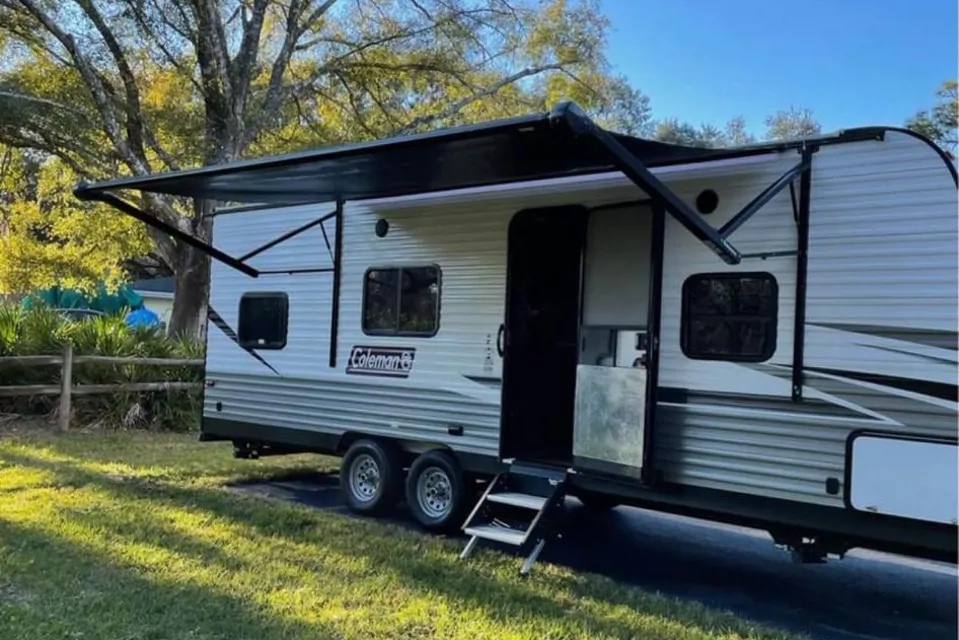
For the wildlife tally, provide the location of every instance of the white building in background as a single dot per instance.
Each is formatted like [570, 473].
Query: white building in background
[157, 294]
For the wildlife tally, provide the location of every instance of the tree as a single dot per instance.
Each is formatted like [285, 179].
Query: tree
[132, 87]
[674, 131]
[48, 237]
[792, 123]
[736, 133]
[941, 123]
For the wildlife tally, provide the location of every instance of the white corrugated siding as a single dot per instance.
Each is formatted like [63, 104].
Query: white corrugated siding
[882, 251]
[466, 239]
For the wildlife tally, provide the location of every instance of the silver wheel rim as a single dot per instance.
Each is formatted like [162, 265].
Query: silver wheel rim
[364, 477]
[434, 492]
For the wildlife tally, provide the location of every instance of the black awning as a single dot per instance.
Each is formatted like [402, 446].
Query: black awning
[513, 150]
[562, 143]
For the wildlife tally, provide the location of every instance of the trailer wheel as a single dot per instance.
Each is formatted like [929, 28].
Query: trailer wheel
[436, 492]
[370, 477]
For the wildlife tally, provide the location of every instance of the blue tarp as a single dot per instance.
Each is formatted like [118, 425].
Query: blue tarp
[142, 317]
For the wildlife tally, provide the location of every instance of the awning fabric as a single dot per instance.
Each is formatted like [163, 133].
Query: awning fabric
[503, 151]
[561, 143]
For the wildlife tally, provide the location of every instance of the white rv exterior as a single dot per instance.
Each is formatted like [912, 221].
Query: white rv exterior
[880, 352]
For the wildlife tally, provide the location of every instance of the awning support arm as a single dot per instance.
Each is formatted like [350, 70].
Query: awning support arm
[759, 201]
[802, 270]
[572, 118]
[286, 236]
[156, 223]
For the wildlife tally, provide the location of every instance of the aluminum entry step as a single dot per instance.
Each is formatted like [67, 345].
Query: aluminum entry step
[523, 500]
[499, 534]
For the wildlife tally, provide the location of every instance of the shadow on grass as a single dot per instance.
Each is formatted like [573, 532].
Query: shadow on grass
[501, 599]
[69, 591]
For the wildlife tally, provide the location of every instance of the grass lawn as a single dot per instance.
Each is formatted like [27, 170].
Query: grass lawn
[131, 536]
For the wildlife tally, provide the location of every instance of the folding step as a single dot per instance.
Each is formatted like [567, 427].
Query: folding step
[524, 500]
[518, 508]
[498, 534]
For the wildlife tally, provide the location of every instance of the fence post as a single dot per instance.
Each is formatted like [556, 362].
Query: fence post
[66, 385]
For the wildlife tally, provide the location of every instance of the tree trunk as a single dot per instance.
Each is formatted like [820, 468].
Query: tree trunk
[192, 276]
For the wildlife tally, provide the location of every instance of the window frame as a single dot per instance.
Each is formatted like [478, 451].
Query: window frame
[685, 317]
[270, 346]
[399, 268]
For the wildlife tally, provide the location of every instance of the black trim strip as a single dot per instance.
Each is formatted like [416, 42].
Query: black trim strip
[946, 159]
[769, 254]
[291, 272]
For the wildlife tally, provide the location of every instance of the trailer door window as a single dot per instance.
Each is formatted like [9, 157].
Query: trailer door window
[402, 301]
[263, 321]
[729, 316]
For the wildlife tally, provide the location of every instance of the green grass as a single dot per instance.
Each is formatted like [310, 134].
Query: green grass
[132, 536]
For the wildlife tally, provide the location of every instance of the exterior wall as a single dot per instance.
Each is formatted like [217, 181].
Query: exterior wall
[720, 425]
[454, 380]
[882, 294]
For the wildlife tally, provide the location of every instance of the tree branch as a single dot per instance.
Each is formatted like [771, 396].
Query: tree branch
[98, 91]
[136, 7]
[241, 69]
[134, 113]
[459, 105]
[45, 102]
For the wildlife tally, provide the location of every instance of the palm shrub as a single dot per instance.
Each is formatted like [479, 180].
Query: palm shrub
[40, 331]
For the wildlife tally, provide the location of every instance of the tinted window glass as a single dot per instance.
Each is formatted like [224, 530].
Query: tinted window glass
[730, 317]
[263, 320]
[402, 301]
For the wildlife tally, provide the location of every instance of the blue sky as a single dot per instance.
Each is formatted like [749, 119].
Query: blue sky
[853, 62]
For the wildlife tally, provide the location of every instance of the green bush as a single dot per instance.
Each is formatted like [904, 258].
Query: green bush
[41, 331]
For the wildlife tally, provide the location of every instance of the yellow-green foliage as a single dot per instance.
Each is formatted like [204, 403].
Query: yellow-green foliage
[49, 237]
[41, 331]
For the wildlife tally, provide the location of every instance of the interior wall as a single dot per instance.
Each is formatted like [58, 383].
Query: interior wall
[617, 267]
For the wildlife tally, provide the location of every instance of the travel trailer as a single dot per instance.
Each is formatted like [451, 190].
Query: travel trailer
[484, 320]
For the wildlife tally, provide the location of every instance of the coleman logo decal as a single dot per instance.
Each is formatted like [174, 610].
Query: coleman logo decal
[393, 362]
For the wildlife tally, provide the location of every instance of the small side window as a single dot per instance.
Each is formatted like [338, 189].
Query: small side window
[264, 318]
[402, 301]
[730, 316]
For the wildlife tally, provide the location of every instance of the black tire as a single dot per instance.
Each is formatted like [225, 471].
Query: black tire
[381, 459]
[598, 501]
[438, 466]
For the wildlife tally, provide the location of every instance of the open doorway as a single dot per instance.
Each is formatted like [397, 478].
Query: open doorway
[544, 283]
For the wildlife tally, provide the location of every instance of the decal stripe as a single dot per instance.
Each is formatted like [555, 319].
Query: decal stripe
[228, 331]
[942, 339]
[912, 353]
[923, 387]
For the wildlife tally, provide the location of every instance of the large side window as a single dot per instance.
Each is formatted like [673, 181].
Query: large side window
[402, 301]
[729, 316]
[263, 322]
